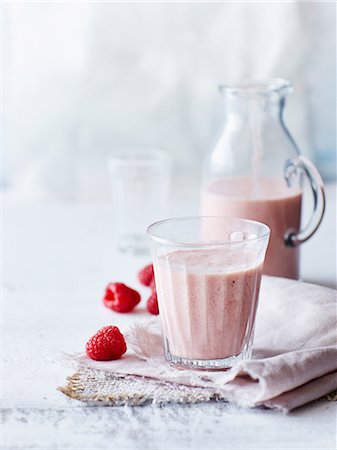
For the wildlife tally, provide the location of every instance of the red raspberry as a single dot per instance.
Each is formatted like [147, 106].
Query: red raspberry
[146, 275]
[120, 297]
[152, 304]
[107, 344]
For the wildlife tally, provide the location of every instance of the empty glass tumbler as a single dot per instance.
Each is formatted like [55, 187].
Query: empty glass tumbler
[140, 180]
[208, 272]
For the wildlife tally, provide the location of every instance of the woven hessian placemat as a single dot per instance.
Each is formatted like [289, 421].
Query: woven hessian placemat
[97, 387]
[103, 388]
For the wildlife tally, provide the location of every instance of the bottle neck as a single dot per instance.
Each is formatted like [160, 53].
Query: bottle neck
[254, 108]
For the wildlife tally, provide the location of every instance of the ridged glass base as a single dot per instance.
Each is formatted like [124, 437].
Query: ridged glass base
[208, 364]
[133, 244]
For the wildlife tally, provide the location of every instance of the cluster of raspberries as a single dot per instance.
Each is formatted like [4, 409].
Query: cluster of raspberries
[109, 343]
[123, 299]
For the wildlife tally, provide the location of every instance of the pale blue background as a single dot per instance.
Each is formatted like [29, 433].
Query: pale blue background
[80, 79]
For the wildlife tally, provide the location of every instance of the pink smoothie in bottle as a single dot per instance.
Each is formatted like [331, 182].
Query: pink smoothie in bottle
[207, 301]
[269, 201]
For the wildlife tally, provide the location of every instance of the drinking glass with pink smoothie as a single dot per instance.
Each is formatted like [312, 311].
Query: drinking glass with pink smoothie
[255, 171]
[208, 272]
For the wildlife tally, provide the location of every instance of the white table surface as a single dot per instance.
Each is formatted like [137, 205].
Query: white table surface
[57, 260]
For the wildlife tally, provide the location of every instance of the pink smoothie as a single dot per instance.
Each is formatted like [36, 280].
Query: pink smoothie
[207, 302]
[270, 202]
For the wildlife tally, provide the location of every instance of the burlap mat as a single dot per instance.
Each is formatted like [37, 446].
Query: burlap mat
[103, 388]
[97, 387]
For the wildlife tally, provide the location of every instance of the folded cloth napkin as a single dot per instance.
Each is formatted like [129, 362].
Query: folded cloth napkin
[294, 358]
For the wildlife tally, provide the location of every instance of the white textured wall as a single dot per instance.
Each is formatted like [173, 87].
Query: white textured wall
[82, 79]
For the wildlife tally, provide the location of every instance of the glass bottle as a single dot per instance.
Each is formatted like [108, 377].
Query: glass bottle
[256, 171]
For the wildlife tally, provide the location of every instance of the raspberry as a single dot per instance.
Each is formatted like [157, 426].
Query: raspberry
[107, 344]
[120, 297]
[146, 276]
[152, 304]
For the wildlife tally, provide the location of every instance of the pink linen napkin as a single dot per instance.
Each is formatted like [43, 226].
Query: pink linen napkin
[294, 357]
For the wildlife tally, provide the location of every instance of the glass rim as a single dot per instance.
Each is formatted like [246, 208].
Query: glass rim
[220, 243]
[138, 155]
[264, 87]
